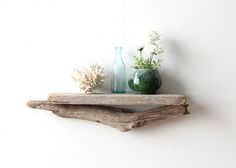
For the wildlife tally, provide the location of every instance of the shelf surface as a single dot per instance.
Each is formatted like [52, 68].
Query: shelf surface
[116, 99]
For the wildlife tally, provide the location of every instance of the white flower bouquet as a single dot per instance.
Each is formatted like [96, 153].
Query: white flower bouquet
[154, 49]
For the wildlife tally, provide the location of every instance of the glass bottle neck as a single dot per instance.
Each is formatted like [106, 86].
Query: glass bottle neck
[118, 54]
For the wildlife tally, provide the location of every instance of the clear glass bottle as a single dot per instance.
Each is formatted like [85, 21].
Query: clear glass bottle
[118, 82]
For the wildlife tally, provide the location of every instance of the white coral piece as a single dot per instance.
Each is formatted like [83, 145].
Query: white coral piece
[89, 78]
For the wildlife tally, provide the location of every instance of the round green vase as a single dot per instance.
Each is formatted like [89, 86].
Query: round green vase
[145, 81]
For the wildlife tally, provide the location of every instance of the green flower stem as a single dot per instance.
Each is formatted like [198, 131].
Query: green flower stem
[151, 57]
[141, 54]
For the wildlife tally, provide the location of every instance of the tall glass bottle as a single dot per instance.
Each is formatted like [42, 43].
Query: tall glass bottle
[118, 83]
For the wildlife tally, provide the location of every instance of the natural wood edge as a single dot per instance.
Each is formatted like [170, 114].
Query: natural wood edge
[111, 116]
[116, 99]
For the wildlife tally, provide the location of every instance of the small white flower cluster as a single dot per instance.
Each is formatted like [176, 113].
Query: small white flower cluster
[154, 43]
[154, 49]
[89, 78]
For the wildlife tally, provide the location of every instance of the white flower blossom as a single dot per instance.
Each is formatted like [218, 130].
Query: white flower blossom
[154, 36]
[154, 43]
[155, 49]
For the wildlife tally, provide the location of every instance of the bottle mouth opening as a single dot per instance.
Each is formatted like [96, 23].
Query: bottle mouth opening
[145, 68]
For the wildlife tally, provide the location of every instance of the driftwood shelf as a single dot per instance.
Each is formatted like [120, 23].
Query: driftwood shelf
[111, 109]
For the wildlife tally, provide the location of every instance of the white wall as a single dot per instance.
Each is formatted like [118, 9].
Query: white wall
[42, 40]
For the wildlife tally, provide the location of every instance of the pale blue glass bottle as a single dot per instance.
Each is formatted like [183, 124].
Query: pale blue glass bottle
[118, 81]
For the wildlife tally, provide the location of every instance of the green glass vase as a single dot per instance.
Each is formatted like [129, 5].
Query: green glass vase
[145, 81]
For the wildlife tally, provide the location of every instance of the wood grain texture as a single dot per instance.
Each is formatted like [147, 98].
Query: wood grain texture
[116, 99]
[114, 117]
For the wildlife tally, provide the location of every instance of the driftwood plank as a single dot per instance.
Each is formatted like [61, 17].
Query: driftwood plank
[116, 99]
[114, 117]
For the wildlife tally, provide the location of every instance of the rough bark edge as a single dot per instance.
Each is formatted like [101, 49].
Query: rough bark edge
[114, 117]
